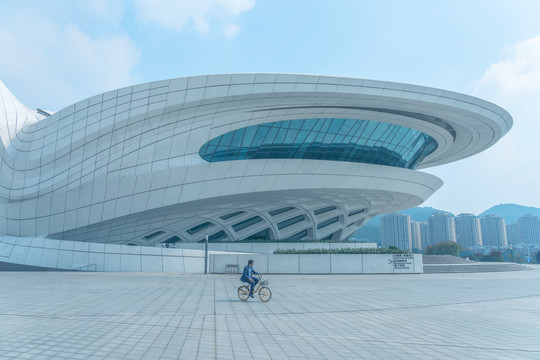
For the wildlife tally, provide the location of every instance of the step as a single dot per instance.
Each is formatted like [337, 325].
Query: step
[473, 268]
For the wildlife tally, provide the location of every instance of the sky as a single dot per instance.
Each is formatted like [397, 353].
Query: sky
[56, 52]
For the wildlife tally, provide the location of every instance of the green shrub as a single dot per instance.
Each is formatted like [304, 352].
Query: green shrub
[340, 251]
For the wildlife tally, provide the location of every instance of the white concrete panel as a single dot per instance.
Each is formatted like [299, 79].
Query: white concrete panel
[130, 263]
[96, 261]
[219, 262]
[24, 241]
[133, 250]
[67, 245]
[175, 264]
[33, 257]
[81, 246]
[184, 252]
[112, 249]
[283, 264]
[346, 263]
[151, 263]
[37, 242]
[315, 246]
[49, 258]
[264, 248]
[65, 259]
[239, 247]
[285, 246]
[378, 264]
[214, 247]
[145, 250]
[260, 262]
[5, 249]
[112, 262]
[196, 246]
[418, 264]
[314, 264]
[52, 244]
[98, 248]
[18, 254]
[80, 260]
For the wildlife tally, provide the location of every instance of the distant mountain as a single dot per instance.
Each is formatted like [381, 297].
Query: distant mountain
[416, 214]
[511, 212]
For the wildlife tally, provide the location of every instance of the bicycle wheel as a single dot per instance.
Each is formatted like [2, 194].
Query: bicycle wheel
[265, 294]
[243, 293]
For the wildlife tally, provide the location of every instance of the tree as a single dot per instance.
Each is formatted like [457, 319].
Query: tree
[538, 257]
[494, 256]
[443, 248]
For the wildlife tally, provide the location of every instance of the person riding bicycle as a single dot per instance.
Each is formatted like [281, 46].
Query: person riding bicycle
[247, 276]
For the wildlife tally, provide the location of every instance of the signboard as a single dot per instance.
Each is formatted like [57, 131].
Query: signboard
[403, 263]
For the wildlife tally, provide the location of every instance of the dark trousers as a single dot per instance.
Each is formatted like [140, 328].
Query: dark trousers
[253, 284]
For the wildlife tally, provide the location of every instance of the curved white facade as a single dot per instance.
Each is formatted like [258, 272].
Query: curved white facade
[124, 167]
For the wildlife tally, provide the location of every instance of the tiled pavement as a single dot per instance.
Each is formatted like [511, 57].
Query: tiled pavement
[165, 316]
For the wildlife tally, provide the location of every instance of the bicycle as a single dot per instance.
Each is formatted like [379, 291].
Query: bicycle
[264, 292]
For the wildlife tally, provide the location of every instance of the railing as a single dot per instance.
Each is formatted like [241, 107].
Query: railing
[91, 267]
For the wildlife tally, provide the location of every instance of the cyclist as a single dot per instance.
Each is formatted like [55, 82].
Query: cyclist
[247, 276]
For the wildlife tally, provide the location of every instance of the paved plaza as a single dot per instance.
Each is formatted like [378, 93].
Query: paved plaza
[63, 315]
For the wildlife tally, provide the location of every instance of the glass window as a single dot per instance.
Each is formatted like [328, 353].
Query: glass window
[299, 235]
[356, 212]
[231, 215]
[246, 223]
[199, 227]
[324, 209]
[323, 139]
[325, 223]
[289, 222]
[280, 211]
[259, 136]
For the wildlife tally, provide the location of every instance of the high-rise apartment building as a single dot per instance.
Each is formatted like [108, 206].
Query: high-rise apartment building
[512, 234]
[468, 230]
[529, 229]
[493, 231]
[442, 228]
[416, 236]
[396, 231]
[425, 235]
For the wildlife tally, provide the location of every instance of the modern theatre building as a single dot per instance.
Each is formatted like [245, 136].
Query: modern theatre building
[236, 156]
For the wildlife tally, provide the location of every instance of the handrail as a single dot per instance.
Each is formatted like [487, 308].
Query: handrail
[81, 268]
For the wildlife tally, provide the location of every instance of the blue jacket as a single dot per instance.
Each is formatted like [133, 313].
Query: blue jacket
[248, 273]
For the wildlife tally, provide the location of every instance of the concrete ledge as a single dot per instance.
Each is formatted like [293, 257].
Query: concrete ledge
[323, 263]
[39, 254]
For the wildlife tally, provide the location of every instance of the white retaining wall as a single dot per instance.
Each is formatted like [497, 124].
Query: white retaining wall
[322, 263]
[86, 256]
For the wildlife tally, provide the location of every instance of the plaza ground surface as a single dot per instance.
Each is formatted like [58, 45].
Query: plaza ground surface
[59, 315]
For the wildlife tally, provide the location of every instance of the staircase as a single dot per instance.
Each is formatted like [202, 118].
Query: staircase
[452, 264]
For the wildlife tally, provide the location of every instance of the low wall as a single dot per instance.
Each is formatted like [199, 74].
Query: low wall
[49, 254]
[270, 247]
[322, 263]
[25, 253]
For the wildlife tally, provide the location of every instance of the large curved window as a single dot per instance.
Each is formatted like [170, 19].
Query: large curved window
[351, 140]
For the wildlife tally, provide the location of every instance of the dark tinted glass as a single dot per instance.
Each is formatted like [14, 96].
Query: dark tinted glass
[323, 139]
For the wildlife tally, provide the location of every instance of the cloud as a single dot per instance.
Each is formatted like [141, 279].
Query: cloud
[509, 171]
[177, 14]
[57, 64]
[231, 30]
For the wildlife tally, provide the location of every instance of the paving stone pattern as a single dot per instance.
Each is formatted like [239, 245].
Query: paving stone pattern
[61, 315]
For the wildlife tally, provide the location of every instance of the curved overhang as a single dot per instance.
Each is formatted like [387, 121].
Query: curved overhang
[130, 153]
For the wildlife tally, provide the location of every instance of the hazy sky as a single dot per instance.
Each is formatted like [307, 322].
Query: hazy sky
[54, 53]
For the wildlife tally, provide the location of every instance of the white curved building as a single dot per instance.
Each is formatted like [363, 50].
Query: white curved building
[272, 156]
